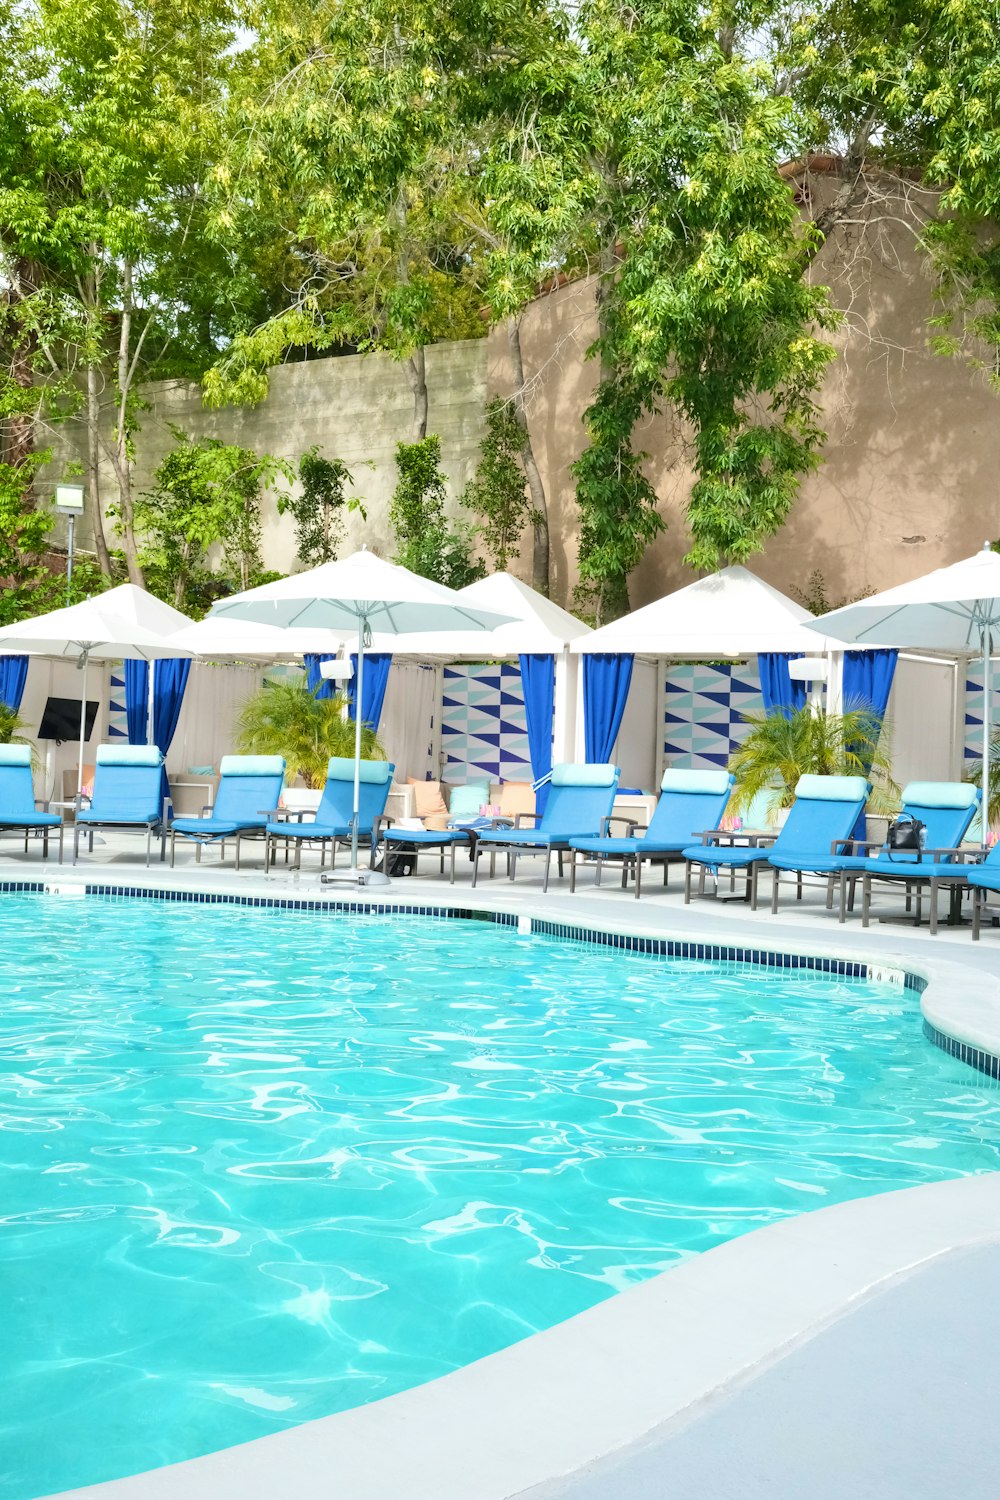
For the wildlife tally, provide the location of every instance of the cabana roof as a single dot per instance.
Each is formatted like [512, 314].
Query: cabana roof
[538, 627]
[731, 613]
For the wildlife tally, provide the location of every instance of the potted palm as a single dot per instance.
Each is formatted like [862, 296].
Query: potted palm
[288, 719]
[975, 775]
[778, 750]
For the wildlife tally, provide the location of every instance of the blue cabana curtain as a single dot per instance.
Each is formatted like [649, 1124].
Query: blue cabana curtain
[169, 681]
[538, 682]
[13, 676]
[867, 683]
[323, 687]
[606, 679]
[780, 693]
[373, 688]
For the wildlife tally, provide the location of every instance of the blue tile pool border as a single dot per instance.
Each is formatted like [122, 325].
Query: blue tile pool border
[680, 948]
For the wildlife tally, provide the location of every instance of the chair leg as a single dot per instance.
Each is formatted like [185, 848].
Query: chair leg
[842, 897]
[237, 851]
[545, 877]
[754, 868]
[61, 832]
[475, 863]
[149, 843]
[76, 842]
[978, 895]
[934, 907]
[637, 872]
[574, 854]
[775, 885]
[866, 899]
[600, 870]
[173, 847]
[452, 849]
[511, 865]
[687, 882]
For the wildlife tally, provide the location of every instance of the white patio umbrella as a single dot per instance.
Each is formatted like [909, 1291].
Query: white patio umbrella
[227, 639]
[125, 621]
[365, 594]
[954, 610]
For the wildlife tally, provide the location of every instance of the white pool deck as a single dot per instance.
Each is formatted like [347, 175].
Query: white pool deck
[846, 1353]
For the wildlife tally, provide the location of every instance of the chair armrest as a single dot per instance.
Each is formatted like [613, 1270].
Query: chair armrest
[621, 818]
[207, 810]
[534, 817]
[42, 804]
[280, 814]
[81, 798]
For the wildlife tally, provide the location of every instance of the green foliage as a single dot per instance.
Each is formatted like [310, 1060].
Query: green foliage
[205, 493]
[425, 543]
[975, 775]
[11, 725]
[286, 718]
[497, 492]
[777, 751]
[319, 508]
[815, 598]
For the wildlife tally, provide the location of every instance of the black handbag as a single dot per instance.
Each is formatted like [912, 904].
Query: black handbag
[905, 837]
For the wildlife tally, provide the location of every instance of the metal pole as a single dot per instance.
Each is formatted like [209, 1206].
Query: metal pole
[359, 684]
[150, 699]
[69, 558]
[83, 731]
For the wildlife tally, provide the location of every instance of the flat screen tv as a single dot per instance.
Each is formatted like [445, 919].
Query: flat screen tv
[61, 719]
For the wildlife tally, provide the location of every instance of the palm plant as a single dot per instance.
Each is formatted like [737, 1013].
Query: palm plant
[975, 775]
[11, 725]
[287, 718]
[778, 750]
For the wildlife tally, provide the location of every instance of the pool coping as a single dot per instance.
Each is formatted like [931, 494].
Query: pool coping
[553, 1403]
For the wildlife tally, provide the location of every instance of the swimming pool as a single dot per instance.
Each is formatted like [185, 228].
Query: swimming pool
[263, 1165]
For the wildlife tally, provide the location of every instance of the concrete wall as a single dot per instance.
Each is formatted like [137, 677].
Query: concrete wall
[356, 408]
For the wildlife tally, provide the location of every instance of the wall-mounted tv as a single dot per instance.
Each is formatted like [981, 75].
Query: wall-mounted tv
[61, 719]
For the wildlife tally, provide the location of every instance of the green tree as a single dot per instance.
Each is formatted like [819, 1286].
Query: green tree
[778, 750]
[110, 123]
[425, 543]
[497, 492]
[319, 507]
[205, 494]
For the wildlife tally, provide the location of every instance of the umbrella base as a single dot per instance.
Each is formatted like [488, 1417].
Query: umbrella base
[354, 877]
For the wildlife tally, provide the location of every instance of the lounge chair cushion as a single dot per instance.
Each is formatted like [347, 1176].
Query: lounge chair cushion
[819, 864]
[523, 837]
[571, 774]
[940, 794]
[311, 830]
[210, 828]
[15, 755]
[831, 789]
[252, 765]
[689, 782]
[30, 820]
[129, 755]
[426, 836]
[624, 846]
[370, 772]
[736, 857]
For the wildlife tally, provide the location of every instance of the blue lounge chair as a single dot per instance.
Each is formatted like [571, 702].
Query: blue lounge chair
[248, 794]
[18, 806]
[335, 813]
[947, 809]
[579, 804]
[690, 803]
[982, 879]
[127, 794]
[820, 821]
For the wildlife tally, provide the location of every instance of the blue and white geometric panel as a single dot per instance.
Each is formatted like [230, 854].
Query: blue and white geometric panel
[483, 729]
[117, 718]
[974, 708]
[703, 723]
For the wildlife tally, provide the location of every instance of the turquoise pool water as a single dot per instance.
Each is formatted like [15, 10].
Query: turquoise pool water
[260, 1166]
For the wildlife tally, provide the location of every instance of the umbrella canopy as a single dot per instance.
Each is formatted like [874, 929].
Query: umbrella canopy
[731, 613]
[125, 621]
[336, 596]
[228, 639]
[364, 593]
[954, 610]
[537, 626]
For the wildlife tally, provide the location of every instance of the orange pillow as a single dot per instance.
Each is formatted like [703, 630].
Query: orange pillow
[427, 797]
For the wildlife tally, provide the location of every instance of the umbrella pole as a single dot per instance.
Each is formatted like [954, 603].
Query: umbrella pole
[359, 683]
[984, 817]
[83, 732]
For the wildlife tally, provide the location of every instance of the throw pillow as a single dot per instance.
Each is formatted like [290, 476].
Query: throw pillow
[465, 801]
[427, 797]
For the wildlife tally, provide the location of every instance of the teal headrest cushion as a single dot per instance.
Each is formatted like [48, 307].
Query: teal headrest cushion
[941, 794]
[832, 788]
[570, 774]
[128, 755]
[372, 772]
[15, 755]
[711, 782]
[252, 765]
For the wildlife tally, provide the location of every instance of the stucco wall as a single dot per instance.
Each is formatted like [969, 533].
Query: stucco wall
[910, 477]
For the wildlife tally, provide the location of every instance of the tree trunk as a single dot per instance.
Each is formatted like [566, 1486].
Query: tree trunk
[93, 472]
[416, 374]
[180, 583]
[536, 489]
[122, 458]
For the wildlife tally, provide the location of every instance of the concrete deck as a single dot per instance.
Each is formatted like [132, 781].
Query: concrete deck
[848, 1353]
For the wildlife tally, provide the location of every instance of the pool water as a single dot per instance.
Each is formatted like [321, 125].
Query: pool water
[259, 1165]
